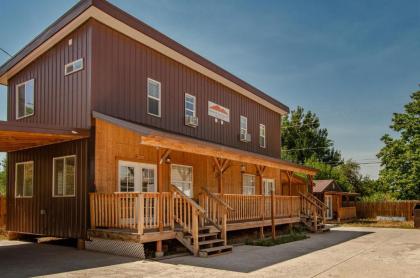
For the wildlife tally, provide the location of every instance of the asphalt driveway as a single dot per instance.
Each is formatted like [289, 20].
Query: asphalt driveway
[344, 252]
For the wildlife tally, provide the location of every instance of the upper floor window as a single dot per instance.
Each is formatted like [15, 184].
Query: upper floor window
[24, 179]
[244, 135]
[190, 111]
[25, 99]
[153, 97]
[262, 136]
[64, 179]
[73, 66]
[248, 184]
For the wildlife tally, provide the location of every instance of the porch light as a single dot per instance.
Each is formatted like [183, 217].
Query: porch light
[168, 160]
[243, 168]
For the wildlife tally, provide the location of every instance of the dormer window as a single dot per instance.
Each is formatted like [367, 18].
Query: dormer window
[25, 99]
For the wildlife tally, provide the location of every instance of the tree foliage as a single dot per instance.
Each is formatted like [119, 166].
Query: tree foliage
[302, 138]
[400, 157]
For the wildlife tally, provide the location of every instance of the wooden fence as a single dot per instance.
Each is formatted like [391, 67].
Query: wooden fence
[2, 212]
[386, 208]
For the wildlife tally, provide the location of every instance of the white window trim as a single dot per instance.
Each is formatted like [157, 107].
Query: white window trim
[137, 175]
[17, 99]
[23, 163]
[73, 62]
[185, 105]
[243, 186]
[155, 98]
[75, 176]
[274, 185]
[240, 124]
[192, 176]
[262, 127]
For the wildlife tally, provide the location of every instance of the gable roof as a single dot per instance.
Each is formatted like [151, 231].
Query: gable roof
[121, 21]
[321, 185]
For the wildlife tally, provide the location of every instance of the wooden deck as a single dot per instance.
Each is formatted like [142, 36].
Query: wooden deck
[153, 217]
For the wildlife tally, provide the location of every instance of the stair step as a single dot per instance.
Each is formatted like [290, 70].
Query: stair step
[204, 235]
[215, 251]
[212, 241]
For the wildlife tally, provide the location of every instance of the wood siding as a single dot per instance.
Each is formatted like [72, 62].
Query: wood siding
[64, 216]
[120, 68]
[114, 143]
[59, 100]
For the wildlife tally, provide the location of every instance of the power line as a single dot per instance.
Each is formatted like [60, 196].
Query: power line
[7, 53]
[302, 149]
[299, 125]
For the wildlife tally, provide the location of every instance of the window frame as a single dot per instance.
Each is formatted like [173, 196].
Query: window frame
[273, 181]
[240, 124]
[194, 103]
[72, 63]
[262, 127]
[243, 183]
[17, 99]
[155, 98]
[16, 166]
[192, 177]
[64, 185]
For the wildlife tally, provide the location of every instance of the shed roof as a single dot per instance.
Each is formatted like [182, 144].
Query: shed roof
[121, 21]
[321, 185]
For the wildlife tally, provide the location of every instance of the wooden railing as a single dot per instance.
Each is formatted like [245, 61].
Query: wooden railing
[132, 211]
[313, 207]
[258, 207]
[216, 211]
[186, 214]
[345, 213]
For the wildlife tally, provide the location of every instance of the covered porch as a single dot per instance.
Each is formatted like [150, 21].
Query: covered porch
[341, 205]
[185, 185]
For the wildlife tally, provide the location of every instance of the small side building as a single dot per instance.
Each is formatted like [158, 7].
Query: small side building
[341, 204]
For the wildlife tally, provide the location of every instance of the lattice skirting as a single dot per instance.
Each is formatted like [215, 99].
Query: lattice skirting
[116, 247]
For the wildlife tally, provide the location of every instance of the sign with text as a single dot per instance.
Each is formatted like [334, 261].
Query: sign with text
[219, 112]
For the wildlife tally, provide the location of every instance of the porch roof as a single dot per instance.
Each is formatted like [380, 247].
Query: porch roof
[162, 139]
[16, 136]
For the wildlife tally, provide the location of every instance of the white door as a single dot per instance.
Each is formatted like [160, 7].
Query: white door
[269, 185]
[135, 177]
[182, 177]
[328, 202]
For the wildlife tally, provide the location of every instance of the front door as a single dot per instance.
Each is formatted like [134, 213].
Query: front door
[328, 202]
[269, 185]
[135, 177]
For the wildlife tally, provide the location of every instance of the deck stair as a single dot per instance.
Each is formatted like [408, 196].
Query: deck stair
[199, 233]
[313, 213]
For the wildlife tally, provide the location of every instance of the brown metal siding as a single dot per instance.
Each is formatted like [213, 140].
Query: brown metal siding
[59, 100]
[65, 216]
[120, 68]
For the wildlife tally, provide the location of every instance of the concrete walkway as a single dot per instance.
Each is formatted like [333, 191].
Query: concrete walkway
[344, 252]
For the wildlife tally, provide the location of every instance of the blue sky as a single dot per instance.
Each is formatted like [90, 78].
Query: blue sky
[353, 63]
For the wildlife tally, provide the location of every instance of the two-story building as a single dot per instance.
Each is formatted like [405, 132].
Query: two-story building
[116, 131]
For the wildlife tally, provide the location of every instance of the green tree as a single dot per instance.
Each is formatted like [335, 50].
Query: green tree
[400, 157]
[3, 168]
[302, 138]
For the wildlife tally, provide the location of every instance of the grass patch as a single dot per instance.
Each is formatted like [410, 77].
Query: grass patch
[279, 240]
[373, 223]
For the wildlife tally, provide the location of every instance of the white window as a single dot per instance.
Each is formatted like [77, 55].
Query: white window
[269, 185]
[262, 136]
[182, 177]
[136, 177]
[24, 179]
[190, 106]
[244, 125]
[153, 97]
[64, 176]
[25, 99]
[248, 184]
[73, 66]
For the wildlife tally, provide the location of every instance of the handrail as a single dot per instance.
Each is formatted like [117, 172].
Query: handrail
[318, 201]
[309, 200]
[191, 202]
[215, 197]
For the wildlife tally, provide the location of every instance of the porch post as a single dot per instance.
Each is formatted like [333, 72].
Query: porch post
[260, 172]
[273, 224]
[160, 160]
[222, 165]
[289, 175]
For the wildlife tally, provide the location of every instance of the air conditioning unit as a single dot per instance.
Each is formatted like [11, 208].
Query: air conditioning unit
[191, 121]
[244, 136]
